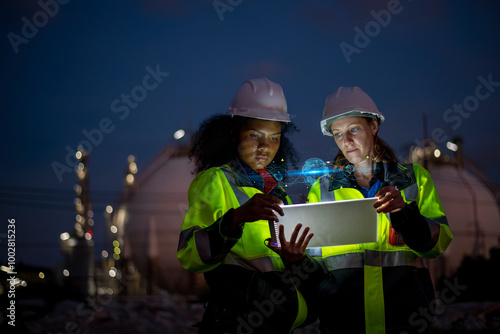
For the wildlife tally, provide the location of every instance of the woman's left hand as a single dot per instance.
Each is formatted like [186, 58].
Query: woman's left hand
[389, 200]
[294, 249]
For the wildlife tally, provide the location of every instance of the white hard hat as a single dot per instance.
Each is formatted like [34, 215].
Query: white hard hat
[260, 98]
[347, 102]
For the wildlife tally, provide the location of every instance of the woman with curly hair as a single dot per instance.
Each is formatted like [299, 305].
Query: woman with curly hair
[214, 144]
[241, 160]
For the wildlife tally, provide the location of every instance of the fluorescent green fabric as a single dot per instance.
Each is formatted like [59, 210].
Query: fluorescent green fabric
[373, 257]
[430, 206]
[210, 196]
[302, 312]
[374, 300]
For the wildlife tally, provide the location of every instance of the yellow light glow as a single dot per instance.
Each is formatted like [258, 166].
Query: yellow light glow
[116, 257]
[78, 155]
[15, 281]
[79, 208]
[6, 269]
[129, 178]
[81, 174]
[179, 134]
[120, 219]
[437, 153]
[41, 275]
[116, 243]
[133, 167]
[64, 236]
[109, 209]
[117, 250]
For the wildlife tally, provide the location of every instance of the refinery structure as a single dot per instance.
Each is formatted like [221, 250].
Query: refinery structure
[143, 226]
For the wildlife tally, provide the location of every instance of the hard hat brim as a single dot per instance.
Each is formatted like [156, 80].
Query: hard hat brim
[264, 114]
[326, 123]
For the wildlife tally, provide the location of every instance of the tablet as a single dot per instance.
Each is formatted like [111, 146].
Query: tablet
[333, 223]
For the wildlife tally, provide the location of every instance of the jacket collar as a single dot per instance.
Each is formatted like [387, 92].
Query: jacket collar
[244, 176]
[390, 174]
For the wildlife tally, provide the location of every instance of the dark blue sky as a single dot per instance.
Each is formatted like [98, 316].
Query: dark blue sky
[73, 73]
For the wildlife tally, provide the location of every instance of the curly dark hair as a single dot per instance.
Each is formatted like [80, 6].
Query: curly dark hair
[215, 144]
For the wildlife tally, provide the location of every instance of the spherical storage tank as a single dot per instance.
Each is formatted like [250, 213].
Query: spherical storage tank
[470, 202]
[472, 212]
[153, 211]
[153, 215]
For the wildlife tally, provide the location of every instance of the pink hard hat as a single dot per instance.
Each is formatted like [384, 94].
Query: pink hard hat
[260, 98]
[347, 102]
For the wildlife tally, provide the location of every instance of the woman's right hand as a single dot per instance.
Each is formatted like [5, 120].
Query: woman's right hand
[294, 249]
[259, 207]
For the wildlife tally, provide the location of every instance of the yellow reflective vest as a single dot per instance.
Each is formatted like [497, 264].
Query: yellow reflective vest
[384, 286]
[248, 281]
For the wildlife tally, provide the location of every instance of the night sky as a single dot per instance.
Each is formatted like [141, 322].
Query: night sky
[128, 74]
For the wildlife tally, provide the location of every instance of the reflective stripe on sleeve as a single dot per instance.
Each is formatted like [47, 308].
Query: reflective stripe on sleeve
[202, 242]
[185, 236]
[441, 220]
[434, 227]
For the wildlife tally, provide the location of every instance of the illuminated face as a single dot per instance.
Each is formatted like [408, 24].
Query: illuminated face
[355, 137]
[258, 142]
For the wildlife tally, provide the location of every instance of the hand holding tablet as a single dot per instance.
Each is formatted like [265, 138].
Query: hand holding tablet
[333, 223]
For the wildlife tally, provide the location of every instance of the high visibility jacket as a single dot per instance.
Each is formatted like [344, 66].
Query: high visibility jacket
[381, 286]
[250, 286]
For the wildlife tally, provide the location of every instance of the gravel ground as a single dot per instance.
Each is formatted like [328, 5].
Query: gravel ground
[130, 315]
[176, 314]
